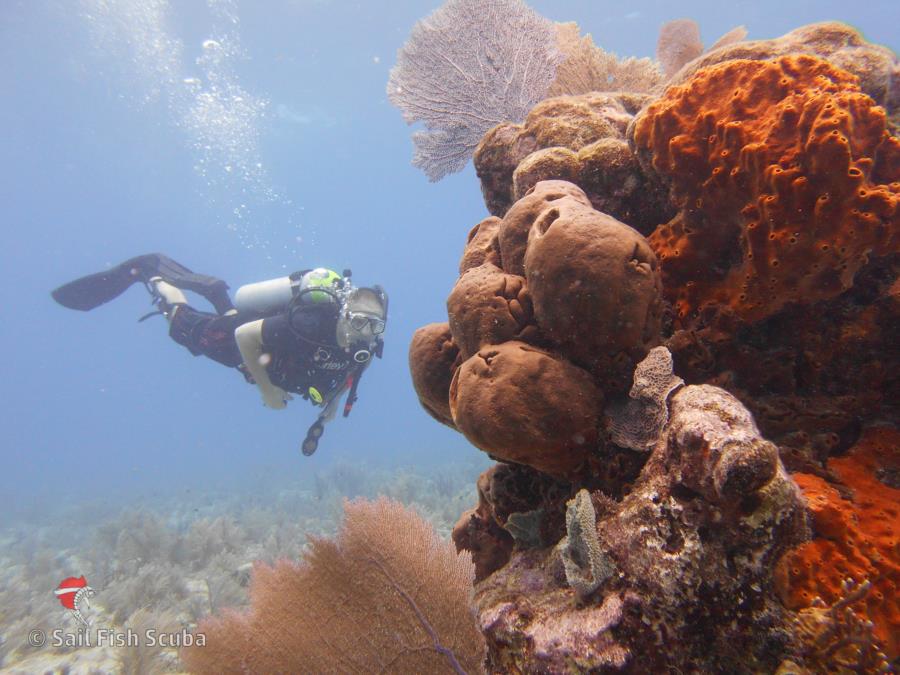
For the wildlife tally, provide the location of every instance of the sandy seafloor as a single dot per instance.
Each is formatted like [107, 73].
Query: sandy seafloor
[163, 561]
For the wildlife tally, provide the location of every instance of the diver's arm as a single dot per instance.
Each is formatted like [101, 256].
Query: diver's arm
[250, 343]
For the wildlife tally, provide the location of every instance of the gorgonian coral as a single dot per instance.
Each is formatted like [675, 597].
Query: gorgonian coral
[468, 66]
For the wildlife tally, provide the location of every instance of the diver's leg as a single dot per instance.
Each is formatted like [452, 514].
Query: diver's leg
[168, 297]
[206, 334]
[96, 289]
[213, 289]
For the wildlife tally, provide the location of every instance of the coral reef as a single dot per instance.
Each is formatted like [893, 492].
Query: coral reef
[515, 227]
[832, 638]
[692, 546]
[386, 594]
[795, 174]
[487, 307]
[433, 357]
[855, 536]
[481, 246]
[596, 290]
[877, 67]
[580, 139]
[183, 556]
[522, 404]
[678, 42]
[773, 275]
[586, 565]
[441, 80]
[517, 505]
[766, 180]
[782, 262]
[538, 343]
[812, 375]
[588, 68]
[638, 423]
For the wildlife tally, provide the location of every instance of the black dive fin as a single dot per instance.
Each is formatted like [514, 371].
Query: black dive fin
[311, 442]
[96, 289]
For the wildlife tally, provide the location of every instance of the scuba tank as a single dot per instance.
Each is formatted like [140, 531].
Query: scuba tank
[273, 295]
[264, 297]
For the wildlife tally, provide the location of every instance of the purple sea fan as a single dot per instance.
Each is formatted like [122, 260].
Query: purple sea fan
[465, 68]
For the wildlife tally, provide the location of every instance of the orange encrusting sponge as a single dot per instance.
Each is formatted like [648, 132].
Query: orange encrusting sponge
[855, 535]
[786, 179]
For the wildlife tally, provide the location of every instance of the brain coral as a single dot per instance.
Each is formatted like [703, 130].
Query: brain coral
[488, 306]
[855, 524]
[433, 358]
[522, 404]
[786, 179]
[596, 288]
[573, 138]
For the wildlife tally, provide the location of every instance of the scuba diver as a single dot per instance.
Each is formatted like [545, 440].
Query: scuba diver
[311, 333]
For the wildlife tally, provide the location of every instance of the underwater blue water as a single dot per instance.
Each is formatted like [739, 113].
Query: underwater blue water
[115, 144]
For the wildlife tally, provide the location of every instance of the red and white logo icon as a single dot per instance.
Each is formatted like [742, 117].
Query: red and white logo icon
[72, 592]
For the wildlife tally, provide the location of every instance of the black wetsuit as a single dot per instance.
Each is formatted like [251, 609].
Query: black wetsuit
[301, 340]
[304, 353]
[301, 343]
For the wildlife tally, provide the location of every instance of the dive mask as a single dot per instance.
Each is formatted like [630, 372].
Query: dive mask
[362, 323]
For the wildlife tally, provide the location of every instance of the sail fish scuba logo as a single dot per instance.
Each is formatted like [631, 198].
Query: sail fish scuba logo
[72, 592]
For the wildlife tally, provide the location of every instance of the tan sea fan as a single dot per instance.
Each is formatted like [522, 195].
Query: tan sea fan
[387, 594]
[588, 68]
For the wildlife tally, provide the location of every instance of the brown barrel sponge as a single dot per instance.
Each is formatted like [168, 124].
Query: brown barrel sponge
[487, 307]
[433, 358]
[513, 234]
[595, 284]
[522, 404]
[482, 245]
